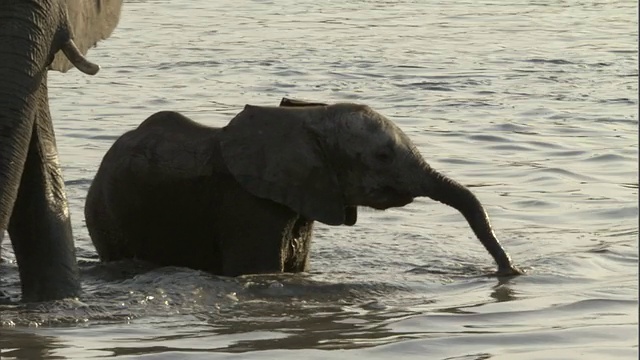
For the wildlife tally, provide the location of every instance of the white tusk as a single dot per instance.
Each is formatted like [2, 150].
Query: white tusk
[78, 60]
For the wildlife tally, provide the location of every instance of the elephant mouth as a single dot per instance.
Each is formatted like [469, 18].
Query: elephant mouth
[388, 197]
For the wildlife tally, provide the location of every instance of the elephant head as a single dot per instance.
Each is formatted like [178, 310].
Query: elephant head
[325, 160]
[35, 36]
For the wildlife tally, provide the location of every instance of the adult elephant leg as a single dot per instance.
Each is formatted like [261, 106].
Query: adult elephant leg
[40, 228]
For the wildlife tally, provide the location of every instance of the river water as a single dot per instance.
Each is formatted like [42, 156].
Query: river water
[533, 104]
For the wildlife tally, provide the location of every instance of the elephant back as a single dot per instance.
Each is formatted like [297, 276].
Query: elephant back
[166, 146]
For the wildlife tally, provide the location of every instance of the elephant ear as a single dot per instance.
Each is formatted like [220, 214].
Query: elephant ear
[351, 212]
[273, 154]
[90, 21]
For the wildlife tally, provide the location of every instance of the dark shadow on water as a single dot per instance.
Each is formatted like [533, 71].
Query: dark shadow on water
[21, 345]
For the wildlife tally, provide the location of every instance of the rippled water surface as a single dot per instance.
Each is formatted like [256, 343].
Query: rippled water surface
[533, 104]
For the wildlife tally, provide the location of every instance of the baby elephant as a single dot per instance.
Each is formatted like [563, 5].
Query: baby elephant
[242, 199]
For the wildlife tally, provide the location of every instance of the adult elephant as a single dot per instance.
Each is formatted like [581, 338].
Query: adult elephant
[242, 199]
[35, 36]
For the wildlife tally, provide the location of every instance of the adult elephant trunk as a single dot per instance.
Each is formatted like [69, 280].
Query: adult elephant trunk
[449, 192]
[33, 204]
[17, 115]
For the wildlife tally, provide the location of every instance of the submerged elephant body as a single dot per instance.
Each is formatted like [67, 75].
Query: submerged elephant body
[165, 194]
[242, 199]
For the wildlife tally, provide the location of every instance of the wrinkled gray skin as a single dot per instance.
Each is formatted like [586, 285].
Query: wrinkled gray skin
[37, 35]
[242, 199]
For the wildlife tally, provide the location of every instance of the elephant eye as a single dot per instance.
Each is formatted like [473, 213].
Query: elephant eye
[383, 155]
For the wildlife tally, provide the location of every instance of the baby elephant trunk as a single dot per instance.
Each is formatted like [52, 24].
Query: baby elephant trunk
[449, 192]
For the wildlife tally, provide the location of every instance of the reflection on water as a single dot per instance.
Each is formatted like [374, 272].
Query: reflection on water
[18, 344]
[532, 105]
[253, 313]
[174, 310]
